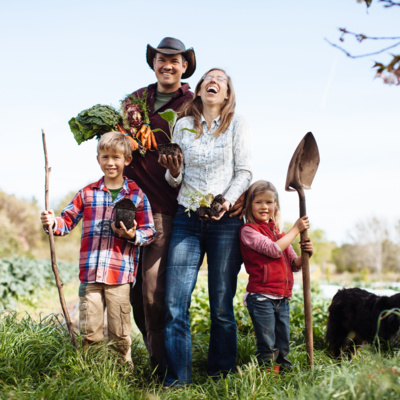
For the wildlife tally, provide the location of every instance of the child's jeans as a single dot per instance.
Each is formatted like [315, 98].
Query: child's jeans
[94, 298]
[271, 325]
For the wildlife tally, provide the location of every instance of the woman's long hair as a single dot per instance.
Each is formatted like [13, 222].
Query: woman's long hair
[255, 189]
[194, 107]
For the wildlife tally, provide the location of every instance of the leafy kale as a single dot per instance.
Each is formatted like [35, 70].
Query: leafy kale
[94, 121]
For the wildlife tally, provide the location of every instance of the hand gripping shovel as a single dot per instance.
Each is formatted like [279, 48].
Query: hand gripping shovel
[301, 172]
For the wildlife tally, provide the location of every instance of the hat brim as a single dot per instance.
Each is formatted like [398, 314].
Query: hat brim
[188, 54]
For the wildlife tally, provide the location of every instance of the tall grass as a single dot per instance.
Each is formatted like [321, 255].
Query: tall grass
[38, 361]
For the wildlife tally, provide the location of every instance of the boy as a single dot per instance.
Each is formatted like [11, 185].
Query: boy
[108, 256]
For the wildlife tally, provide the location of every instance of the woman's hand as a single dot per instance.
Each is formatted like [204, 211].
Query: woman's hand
[123, 232]
[47, 218]
[307, 246]
[302, 224]
[238, 208]
[225, 207]
[172, 163]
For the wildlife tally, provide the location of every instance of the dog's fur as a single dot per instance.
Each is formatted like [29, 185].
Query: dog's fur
[353, 320]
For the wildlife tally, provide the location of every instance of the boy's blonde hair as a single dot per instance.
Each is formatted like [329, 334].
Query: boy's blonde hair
[115, 141]
[255, 189]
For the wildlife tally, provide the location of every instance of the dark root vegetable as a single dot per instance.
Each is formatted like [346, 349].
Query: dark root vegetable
[125, 211]
[169, 149]
[214, 209]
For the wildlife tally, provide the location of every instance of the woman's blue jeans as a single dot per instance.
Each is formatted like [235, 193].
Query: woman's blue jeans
[271, 326]
[191, 239]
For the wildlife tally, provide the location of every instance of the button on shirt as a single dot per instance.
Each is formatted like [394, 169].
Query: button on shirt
[217, 165]
[104, 257]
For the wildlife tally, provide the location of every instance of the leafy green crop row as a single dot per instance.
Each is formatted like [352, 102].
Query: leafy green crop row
[200, 313]
[21, 277]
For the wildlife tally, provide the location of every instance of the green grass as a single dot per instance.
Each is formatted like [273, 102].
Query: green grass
[38, 361]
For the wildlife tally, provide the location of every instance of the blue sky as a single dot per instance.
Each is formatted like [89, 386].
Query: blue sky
[59, 58]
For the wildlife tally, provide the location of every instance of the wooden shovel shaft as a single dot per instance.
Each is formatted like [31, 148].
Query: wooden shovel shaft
[53, 252]
[306, 287]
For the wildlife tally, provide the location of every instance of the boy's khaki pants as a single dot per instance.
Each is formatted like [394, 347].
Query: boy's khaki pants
[94, 299]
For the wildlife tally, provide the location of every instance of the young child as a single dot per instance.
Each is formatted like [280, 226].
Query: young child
[108, 256]
[270, 261]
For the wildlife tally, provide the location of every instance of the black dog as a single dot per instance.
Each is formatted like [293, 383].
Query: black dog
[353, 320]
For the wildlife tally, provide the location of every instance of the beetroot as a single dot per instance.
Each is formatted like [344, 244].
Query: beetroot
[125, 211]
[214, 209]
[169, 149]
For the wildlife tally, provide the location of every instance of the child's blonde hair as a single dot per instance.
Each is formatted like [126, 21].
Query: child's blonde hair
[255, 189]
[115, 141]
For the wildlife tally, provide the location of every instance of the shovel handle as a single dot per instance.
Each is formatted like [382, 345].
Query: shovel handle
[306, 287]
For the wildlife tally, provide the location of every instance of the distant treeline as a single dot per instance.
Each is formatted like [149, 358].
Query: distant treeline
[374, 246]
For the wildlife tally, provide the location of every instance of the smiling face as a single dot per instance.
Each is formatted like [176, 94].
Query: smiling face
[214, 88]
[169, 70]
[264, 206]
[112, 164]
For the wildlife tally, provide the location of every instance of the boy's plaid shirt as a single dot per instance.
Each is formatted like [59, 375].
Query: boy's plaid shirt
[104, 257]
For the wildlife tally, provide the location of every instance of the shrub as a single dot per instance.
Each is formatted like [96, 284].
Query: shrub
[21, 277]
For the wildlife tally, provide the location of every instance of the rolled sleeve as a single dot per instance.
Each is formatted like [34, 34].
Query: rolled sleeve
[174, 182]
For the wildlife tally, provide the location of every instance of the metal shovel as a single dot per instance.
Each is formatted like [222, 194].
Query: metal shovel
[301, 172]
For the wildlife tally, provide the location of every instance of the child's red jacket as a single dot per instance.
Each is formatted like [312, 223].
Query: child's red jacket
[268, 275]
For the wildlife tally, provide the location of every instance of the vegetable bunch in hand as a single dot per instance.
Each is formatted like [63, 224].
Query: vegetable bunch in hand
[97, 120]
[94, 122]
[136, 117]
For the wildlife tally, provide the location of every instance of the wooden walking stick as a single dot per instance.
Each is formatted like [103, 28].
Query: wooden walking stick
[53, 251]
[302, 169]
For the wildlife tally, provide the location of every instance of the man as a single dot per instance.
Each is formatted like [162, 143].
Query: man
[170, 61]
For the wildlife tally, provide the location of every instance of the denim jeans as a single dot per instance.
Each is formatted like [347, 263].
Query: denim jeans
[191, 239]
[272, 328]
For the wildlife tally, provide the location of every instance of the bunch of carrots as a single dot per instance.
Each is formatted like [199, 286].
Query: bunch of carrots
[146, 137]
[134, 143]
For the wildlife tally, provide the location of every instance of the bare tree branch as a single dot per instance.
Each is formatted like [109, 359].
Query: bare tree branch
[361, 55]
[390, 3]
[390, 73]
[361, 36]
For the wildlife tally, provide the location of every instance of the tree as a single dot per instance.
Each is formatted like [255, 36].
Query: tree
[20, 229]
[347, 258]
[389, 72]
[322, 247]
[372, 249]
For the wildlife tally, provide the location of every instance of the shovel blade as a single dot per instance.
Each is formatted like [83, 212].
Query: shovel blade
[303, 165]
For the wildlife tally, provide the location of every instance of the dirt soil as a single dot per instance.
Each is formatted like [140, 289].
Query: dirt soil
[214, 209]
[169, 149]
[125, 211]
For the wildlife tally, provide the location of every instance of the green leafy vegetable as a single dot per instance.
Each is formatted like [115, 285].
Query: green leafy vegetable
[170, 116]
[94, 121]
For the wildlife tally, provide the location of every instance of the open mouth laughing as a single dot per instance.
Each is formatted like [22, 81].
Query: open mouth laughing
[212, 89]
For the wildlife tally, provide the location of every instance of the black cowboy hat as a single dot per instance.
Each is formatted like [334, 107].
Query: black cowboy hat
[169, 46]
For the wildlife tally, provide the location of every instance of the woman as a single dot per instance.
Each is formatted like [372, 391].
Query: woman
[216, 160]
